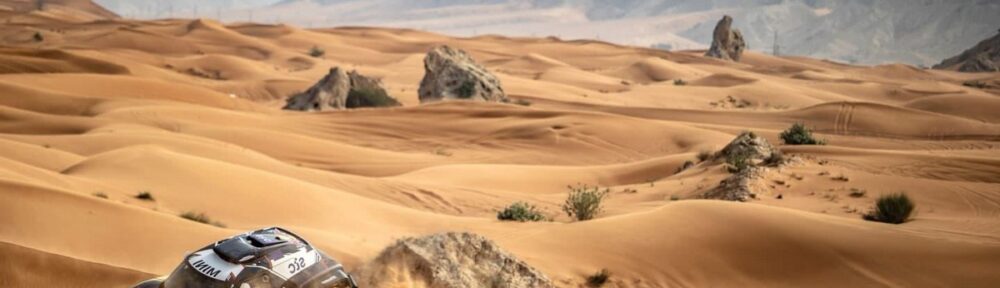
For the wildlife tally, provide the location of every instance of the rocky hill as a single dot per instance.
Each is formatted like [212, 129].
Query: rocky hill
[984, 57]
[863, 32]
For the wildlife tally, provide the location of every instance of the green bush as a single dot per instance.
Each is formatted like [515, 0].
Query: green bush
[466, 90]
[738, 161]
[680, 82]
[201, 218]
[584, 202]
[317, 52]
[521, 212]
[599, 279]
[798, 134]
[358, 98]
[893, 209]
[145, 196]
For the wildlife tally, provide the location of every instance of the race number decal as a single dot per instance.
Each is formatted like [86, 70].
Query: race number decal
[294, 263]
[209, 264]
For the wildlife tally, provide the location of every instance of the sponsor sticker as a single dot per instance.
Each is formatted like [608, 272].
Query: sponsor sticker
[294, 263]
[209, 264]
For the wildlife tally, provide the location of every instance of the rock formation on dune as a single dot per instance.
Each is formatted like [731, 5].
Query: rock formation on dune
[342, 90]
[451, 74]
[984, 57]
[749, 144]
[744, 185]
[727, 42]
[450, 260]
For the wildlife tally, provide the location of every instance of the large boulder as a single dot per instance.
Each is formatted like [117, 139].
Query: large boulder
[727, 43]
[984, 57]
[342, 90]
[449, 260]
[451, 74]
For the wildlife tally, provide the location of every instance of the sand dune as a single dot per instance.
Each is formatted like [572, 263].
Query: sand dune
[103, 108]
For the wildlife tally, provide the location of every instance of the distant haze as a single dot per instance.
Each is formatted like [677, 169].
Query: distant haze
[855, 31]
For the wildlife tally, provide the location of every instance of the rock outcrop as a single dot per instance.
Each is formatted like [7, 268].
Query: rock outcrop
[451, 74]
[984, 57]
[727, 43]
[342, 90]
[744, 185]
[449, 260]
[749, 144]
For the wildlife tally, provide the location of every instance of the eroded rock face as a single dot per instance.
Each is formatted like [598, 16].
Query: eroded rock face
[727, 43]
[749, 144]
[451, 74]
[342, 90]
[984, 57]
[449, 260]
[745, 185]
[982, 63]
[742, 186]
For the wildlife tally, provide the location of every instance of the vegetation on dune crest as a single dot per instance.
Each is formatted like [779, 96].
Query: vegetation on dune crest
[892, 209]
[521, 212]
[201, 218]
[599, 279]
[584, 202]
[738, 162]
[145, 195]
[317, 52]
[798, 134]
[704, 155]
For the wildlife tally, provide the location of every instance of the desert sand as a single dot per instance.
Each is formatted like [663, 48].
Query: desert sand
[189, 110]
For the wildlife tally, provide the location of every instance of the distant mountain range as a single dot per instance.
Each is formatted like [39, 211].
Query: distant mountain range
[919, 32]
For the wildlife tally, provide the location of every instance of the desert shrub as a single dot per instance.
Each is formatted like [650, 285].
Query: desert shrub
[798, 134]
[521, 212]
[584, 202]
[38, 37]
[466, 90]
[687, 164]
[599, 279]
[522, 102]
[857, 193]
[680, 82]
[317, 52]
[357, 98]
[101, 195]
[145, 196]
[893, 209]
[738, 161]
[704, 155]
[777, 158]
[201, 218]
